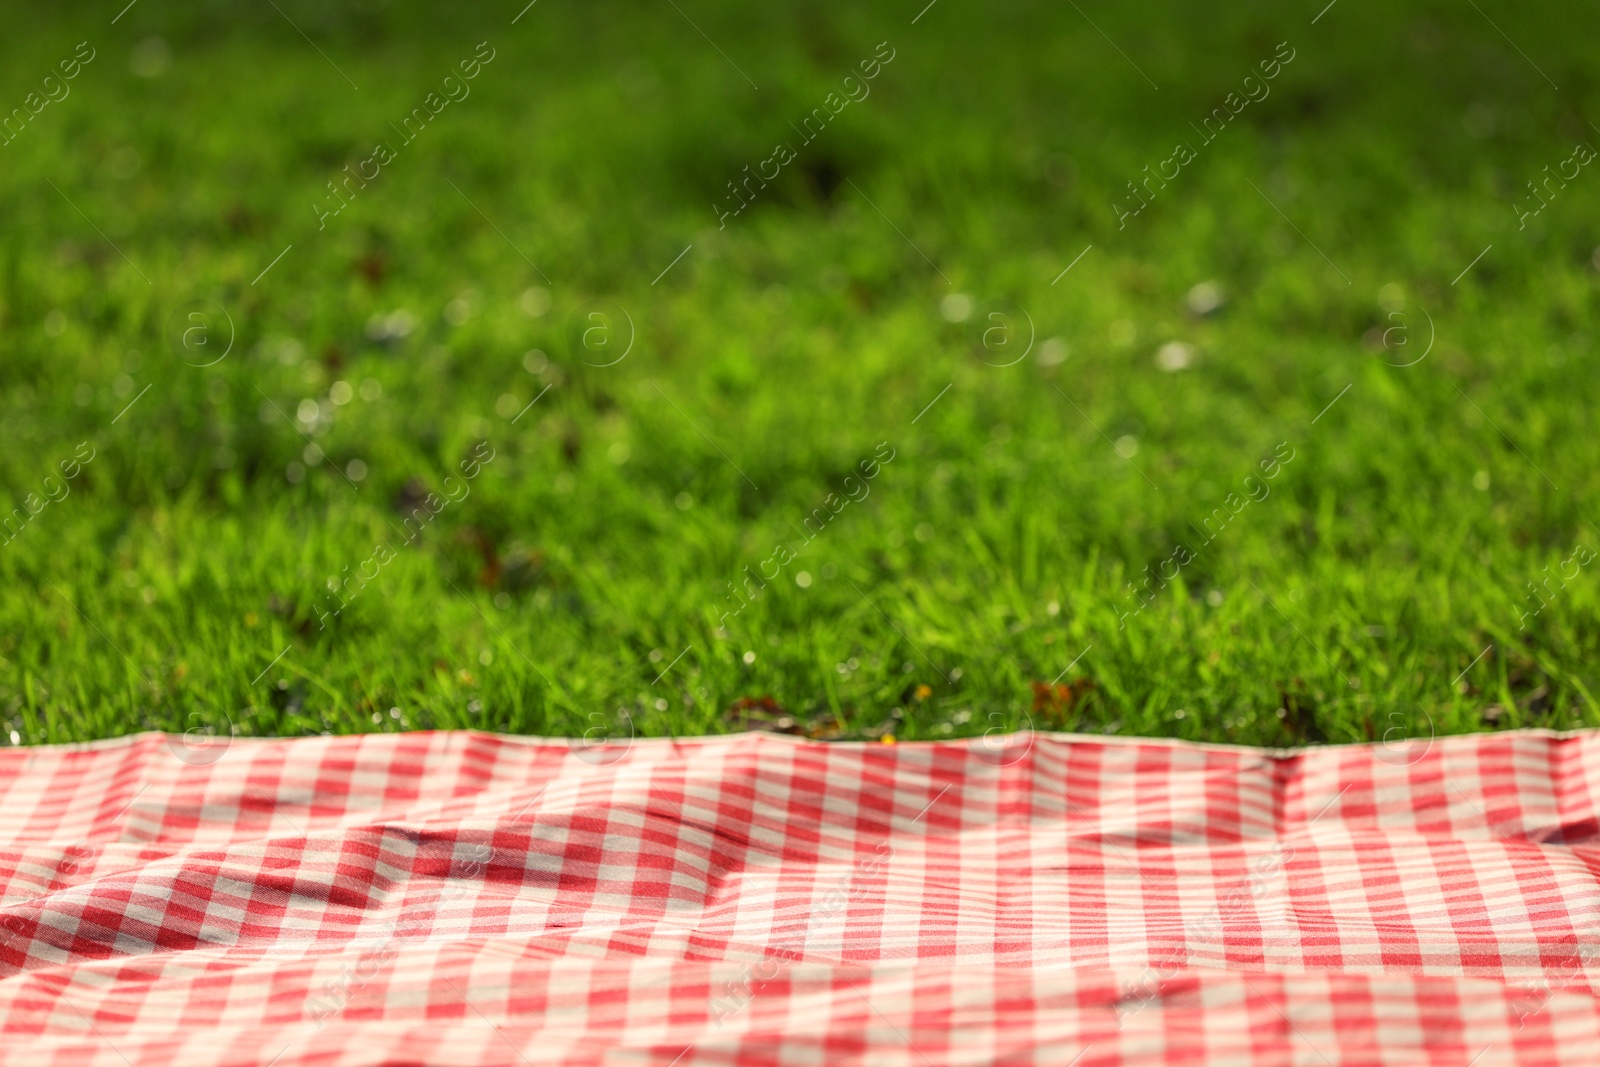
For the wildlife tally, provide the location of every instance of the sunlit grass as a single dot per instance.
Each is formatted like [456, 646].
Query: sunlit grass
[1342, 468]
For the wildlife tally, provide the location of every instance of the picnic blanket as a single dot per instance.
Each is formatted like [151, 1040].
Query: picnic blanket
[466, 898]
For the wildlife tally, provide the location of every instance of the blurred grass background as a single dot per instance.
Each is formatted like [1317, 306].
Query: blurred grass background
[1380, 591]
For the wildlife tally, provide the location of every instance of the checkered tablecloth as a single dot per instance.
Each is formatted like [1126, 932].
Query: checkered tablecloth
[461, 898]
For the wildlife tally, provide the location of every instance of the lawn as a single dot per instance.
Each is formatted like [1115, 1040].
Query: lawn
[669, 368]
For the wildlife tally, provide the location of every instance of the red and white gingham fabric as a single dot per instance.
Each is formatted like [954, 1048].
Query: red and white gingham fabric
[459, 898]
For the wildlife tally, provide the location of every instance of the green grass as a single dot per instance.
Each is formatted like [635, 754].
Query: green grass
[994, 550]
